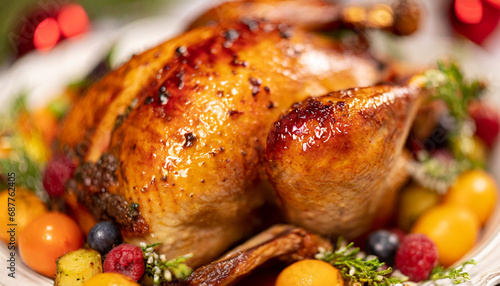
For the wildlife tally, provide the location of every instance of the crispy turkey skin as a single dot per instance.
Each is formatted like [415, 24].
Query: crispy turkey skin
[172, 142]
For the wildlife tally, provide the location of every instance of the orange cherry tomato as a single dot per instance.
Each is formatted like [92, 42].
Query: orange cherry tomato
[452, 228]
[27, 207]
[110, 279]
[475, 190]
[310, 272]
[46, 238]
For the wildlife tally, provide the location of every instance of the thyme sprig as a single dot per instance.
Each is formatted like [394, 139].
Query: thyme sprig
[357, 268]
[435, 174]
[161, 270]
[456, 275]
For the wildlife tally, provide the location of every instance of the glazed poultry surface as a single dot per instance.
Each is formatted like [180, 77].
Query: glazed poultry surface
[336, 161]
[172, 143]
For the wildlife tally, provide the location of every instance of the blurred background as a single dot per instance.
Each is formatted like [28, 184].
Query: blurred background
[16, 16]
[24, 22]
[47, 44]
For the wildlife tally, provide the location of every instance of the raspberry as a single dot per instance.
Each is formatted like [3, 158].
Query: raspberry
[125, 259]
[417, 255]
[487, 122]
[59, 171]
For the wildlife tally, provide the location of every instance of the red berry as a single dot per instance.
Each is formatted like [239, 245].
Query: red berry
[125, 259]
[487, 123]
[417, 255]
[59, 171]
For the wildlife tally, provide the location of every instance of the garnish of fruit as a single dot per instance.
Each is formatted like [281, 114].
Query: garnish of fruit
[110, 279]
[448, 84]
[59, 170]
[452, 228]
[383, 244]
[46, 238]
[104, 236]
[416, 257]
[475, 190]
[28, 207]
[310, 272]
[125, 259]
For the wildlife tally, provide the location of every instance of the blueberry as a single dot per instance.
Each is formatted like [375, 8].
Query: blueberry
[104, 236]
[384, 245]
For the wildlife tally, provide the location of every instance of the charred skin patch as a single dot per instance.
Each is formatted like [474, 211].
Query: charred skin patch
[91, 184]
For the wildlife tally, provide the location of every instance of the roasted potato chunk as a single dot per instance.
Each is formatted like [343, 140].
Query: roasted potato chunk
[75, 267]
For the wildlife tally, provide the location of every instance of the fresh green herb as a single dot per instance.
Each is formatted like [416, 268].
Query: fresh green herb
[356, 267]
[28, 171]
[19, 160]
[162, 270]
[59, 107]
[457, 275]
[448, 84]
[436, 174]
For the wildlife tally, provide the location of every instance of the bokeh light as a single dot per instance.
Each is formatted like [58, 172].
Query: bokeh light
[46, 35]
[72, 20]
[469, 11]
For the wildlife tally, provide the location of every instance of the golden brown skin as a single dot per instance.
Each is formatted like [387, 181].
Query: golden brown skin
[335, 160]
[316, 15]
[190, 151]
[308, 14]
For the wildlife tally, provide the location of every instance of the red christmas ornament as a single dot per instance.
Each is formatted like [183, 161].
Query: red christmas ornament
[475, 19]
[49, 24]
[46, 35]
[72, 20]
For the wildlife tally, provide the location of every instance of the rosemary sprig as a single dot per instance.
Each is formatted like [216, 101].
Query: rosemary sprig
[357, 268]
[161, 270]
[451, 87]
[448, 84]
[457, 275]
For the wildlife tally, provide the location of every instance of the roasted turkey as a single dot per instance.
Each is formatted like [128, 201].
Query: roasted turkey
[171, 145]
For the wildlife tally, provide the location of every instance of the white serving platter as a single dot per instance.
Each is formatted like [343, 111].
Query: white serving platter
[43, 76]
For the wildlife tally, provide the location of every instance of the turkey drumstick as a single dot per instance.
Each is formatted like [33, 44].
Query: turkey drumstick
[336, 161]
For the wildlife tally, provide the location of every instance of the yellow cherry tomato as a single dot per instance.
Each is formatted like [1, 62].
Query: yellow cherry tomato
[475, 190]
[413, 201]
[310, 272]
[110, 279]
[24, 205]
[452, 228]
[473, 148]
[46, 238]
